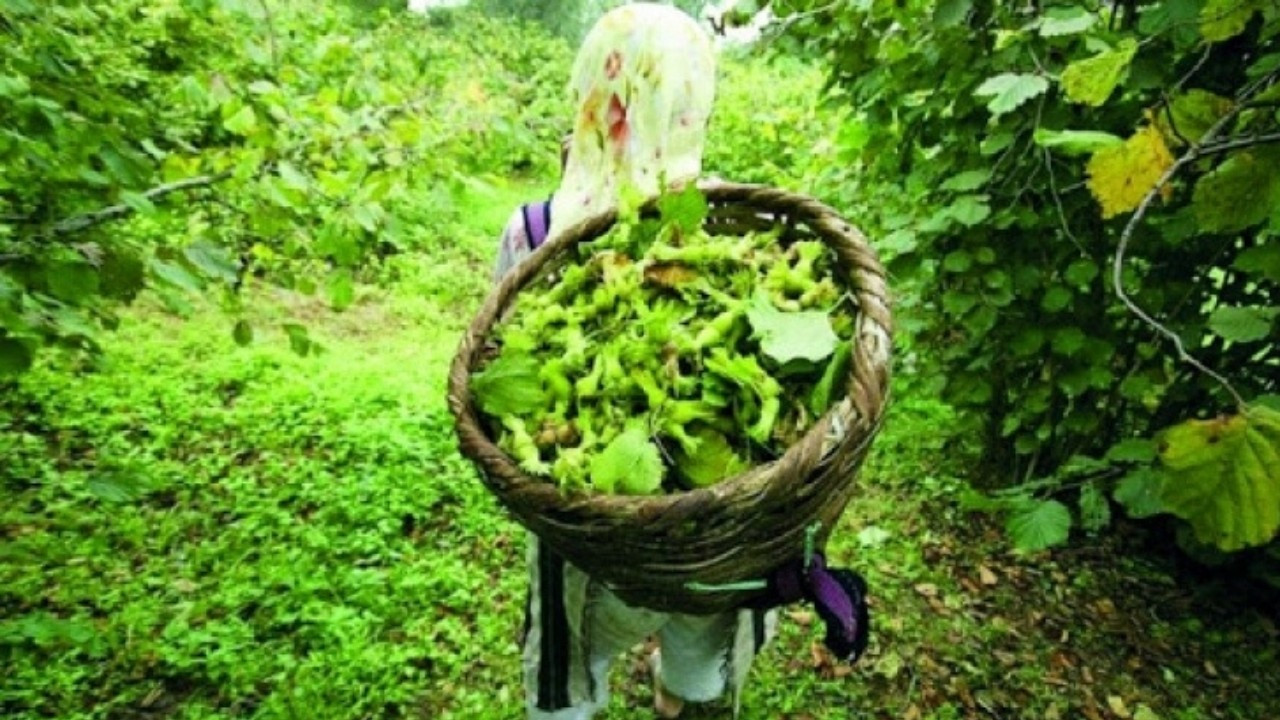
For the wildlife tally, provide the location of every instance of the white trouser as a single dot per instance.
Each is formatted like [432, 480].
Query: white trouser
[576, 627]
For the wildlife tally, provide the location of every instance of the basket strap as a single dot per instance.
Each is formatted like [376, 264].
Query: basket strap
[838, 594]
[537, 222]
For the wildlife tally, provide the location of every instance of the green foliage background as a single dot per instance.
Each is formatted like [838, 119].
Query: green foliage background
[201, 530]
[985, 133]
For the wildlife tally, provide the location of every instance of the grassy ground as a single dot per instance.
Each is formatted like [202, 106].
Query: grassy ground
[196, 530]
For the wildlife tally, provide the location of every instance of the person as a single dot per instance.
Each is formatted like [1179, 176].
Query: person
[643, 83]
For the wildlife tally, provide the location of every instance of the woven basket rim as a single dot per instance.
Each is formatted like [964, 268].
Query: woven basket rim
[502, 474]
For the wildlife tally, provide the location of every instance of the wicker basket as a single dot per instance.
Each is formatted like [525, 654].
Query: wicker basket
[649, 549]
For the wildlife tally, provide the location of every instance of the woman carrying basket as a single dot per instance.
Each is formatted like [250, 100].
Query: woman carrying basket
[643, 84]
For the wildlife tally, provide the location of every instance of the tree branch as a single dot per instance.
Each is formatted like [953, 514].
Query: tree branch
[1237, 143]
[88, 220]
[1117, 267]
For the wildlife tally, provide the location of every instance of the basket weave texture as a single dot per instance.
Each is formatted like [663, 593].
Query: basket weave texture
[649, 549]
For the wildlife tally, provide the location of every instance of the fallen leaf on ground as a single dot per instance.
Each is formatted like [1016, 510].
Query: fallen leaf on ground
[803, 618]
[1118, 708]
[987, 576]
[928, 590]
[1145, 713]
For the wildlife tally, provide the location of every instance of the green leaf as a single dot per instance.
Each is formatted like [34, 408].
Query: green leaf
[175, 275]
[126, 165]
[1056, 299]
[213, 262]
[1008, 91]
[1139, 493]
[995, 142]
[15, 356]
[1095, 511]
[140, 203]
[1092, 81]
[713, 461]
[949, 13]
[122, 274]
[977, 501]
[1191, 115]
[342, 289]
[957, 261]
[970, 210]
[1243, 324]
[1139, 450]
[1224, 19]
[116, 487]
[13, 86]
[1238, 193]
[831, 385]
[629, 465]
[1264, 65]
[510, 386]
[787, 336]
[1223, 477]
[1060, 21]
[967, 181]
[336, 242]
[1027, 342]
[367, 215]
[1075, 142]
[1262, 261]
[1039, 525]
[1067, 341]
[1081, 272]
[243, 333]
[72, 282]
[242, 123]
[958, 302]
[686, 209]
[292, 176]
[299, 340]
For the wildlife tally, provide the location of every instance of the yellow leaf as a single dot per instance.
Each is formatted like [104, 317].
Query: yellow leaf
[1122, 175]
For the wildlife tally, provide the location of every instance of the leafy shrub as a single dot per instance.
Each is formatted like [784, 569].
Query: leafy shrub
[1007, 151]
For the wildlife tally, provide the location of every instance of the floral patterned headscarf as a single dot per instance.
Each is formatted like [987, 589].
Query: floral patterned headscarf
[643, 84]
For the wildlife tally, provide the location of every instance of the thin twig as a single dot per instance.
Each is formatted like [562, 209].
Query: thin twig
[1057, 201]
[88, 220]
[1237, 143]
[1117, 266]
[1167, 106]
[1186, 77]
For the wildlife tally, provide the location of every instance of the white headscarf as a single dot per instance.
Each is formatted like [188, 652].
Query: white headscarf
[643, 85]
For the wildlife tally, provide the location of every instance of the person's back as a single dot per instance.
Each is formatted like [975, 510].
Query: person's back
[643, 84]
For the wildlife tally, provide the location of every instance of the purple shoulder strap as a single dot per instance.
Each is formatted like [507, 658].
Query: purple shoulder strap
[537, 221]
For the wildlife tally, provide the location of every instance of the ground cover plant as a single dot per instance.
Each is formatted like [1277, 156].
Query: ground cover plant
[239, 495]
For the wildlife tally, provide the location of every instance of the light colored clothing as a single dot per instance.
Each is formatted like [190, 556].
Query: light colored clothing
[576, 627]
[513, 246]
[643, 84]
